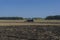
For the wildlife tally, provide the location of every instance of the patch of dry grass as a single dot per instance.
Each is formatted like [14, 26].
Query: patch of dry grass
[46, 20]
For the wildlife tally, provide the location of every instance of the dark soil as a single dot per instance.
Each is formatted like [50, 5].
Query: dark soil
[30, 32]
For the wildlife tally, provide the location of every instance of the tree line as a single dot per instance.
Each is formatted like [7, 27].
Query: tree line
[11, 18]
[56, 17]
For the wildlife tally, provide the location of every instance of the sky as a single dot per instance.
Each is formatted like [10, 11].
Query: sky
[29, 8]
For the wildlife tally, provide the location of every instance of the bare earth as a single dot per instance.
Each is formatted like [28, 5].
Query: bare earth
[21, 30]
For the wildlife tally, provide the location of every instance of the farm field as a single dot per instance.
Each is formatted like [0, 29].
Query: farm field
[23, 22]
[22, 30]
[32, 32]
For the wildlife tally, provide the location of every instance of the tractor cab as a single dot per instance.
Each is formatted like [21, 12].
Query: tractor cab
[30, 20]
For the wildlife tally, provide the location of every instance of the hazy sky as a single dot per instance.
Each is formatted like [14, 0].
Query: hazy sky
[29, 8]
